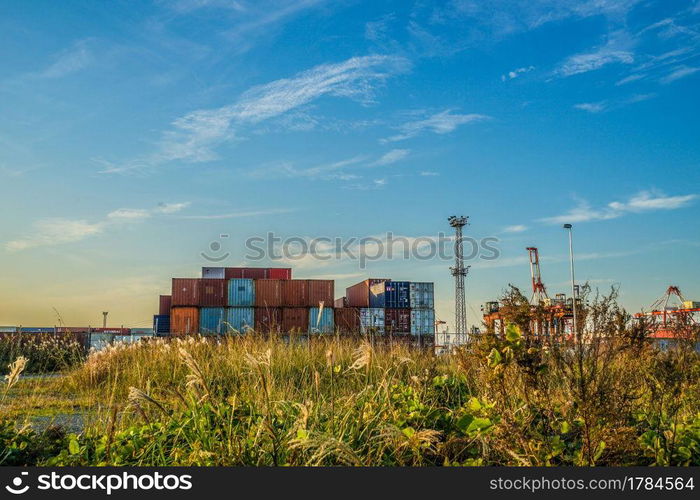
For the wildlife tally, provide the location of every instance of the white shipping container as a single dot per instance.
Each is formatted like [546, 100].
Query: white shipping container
[372, 317]
[214, 272]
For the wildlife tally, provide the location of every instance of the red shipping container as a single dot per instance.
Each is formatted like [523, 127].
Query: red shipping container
[255, 273]
[212, 292]
[294, 293]
[268, 293]
[341, 302]
[347, 320]
[295, 319]
[185, 292]
[280, 273]
[184, 320]
[320, 291]
[258, 273]
[359, 295]
[397, 320]
[268, 319]
[165, 302]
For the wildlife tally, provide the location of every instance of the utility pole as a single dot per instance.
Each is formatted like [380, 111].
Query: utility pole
[573, 281]
[459, 272]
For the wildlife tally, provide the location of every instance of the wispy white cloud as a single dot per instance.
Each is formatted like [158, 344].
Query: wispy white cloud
[194, 137]
[606, 105]
[517, 228]
[629, 79]
[185, 6]
[643, 201]
[583, 63]
[69, 61]
[429, 173]
[391, 157]
[516, 73]
[58, 231]
[591, 107]
[241, 214]
[129, 214]
[678, 73]
[289, 170]
[439, 123]
[171, 208]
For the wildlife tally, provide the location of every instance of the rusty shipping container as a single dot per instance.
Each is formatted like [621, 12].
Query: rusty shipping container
[347, 320]
[184, 320]
[294, 293]
[165, 302]
[321, 291]
[341, 302]
[295, 319]
[397, 320]
[367, 293]
[258, 273]
[185, 292]
[268, 293]
[213, 292]
[268, 319]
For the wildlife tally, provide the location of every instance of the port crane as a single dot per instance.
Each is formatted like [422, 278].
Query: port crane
[539, 292]
[671, 311]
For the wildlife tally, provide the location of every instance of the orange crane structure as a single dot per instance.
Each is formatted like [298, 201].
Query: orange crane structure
[550, 316]
[671, 320]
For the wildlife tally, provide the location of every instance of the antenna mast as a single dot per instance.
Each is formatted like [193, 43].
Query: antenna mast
[459, 272]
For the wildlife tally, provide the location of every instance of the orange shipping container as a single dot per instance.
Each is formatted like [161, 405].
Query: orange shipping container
[295, 318]
[268, 293]
[268, 319]
[347, 320]
[185, 292]
[341, 302]
[294, 293]
[360, 295]
[184, 320]
[321, 291]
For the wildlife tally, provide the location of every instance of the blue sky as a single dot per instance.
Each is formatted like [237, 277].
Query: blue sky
[133, 134]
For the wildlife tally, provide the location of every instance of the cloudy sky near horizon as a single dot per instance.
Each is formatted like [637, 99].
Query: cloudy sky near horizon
[134, 135]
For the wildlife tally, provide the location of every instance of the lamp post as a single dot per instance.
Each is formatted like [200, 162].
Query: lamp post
[571, 262]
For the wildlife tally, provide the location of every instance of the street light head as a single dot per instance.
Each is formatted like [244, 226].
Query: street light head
[567, 226]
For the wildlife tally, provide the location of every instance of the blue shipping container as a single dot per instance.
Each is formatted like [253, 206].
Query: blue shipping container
[211, 320]
[241, 292]
[323, 324]
[239, 319]
[161, 323]
[397, 294]
[377, 295]
[372, 319]
[422, 321]
[37, 329]
[422, 295]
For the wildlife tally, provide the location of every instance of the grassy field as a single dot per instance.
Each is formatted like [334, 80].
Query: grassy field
[608, 398]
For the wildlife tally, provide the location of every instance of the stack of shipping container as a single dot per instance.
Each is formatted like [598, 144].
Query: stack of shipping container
[234, 299]
[228, 300]
[384, 306]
